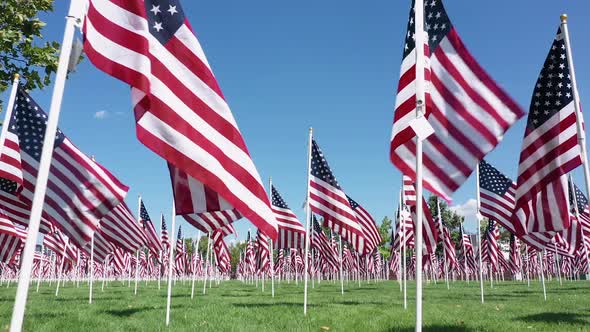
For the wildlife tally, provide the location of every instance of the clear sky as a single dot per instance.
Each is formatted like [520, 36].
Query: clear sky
[287, 65]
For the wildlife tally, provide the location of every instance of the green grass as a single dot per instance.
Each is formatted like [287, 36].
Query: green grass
[233, 306]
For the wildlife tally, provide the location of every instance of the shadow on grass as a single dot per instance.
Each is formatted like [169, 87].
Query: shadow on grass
[131, 311]
[556, 318]
[276, 304]
[437, 328]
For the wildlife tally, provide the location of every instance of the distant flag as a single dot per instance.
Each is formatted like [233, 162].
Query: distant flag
[550, 148]
[120, 227]
[368, 226]
[180, 111]
[429, 229]
[328, 200]
[12, 239]
[154, 243]
[165, 240]
[80, 192]
[180, 257]
[262, 252]
[291, 231]
[320, 242]
[468, 111]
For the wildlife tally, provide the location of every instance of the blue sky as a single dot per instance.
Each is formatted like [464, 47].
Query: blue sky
[334, 65]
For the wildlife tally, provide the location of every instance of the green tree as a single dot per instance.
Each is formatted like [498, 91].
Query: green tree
[21, 48]
[385, 231]
[235, 250]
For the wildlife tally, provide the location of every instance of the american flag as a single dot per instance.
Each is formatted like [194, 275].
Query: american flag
[262, 252]
[102, 247]
[80, 192]
[220, 248]
[550, 148]
[250, 256]
[120, 227]
[409, 192]
[448, 245]
[180, 257]
[429, 229]
[291, 231]
[497, 197]
[583, 211]
[514, 260]
[404, 231]
[368, 226]
[60, 244]
[468, 111]
[320, 242]
[12, 238]
[490, 249]
[328, 200]
[164, 233]
[149, 229]
[180, 111]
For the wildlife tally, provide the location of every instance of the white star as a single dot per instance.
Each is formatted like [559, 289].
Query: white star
[158, 26]
[155, 9]
[172, 10]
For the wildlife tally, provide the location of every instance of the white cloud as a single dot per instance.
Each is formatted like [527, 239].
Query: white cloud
[467, 210]
[101, 114]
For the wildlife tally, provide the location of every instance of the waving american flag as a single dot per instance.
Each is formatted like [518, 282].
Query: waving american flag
[181, 113]
[291, 231]
[468, 111]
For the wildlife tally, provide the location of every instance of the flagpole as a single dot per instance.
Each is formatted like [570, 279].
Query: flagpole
[206, 272]
[341, 274]
[405, 239]
[479, 217]
[307, 217]
[43, 173]
[137, 254]
[542, 274]
[194, 267]
[91, 269]
[172, 244]
[272, 270]
[40, 262]
[9, 109]
[420, 111]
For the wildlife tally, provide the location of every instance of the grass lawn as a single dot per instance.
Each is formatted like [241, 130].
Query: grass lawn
[233, 306]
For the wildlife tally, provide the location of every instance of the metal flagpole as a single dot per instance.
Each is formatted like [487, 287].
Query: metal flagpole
[20, 302]
[272, 265]
[196, 252]
[307, 217]
[206, 272]
[341, 274]
[171, 246]
[579, 116]
[542, 274]
[420, 112]
[137, 255]
[91, 269]
[41, 262]
[479, 218]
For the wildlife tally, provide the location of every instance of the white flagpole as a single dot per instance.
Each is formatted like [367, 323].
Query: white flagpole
[272, 269]
[42, 258]
[137, 255]
[194, 267]
[9, 109]
[172, 246]
[542, 274]
[20, 302]
[341, 274]
[307, 217]
[478, 216]
[579, 116]
[420, 111]
[206, 274]
[91, 269]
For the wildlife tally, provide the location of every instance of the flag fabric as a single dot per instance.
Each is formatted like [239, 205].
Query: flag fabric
[12, 239]
[149, 229]
[180, 257]
[250, 256]
[220, 248]
[327, 199]
[80, 192]
[497, 197]
[165, 240]
[60, 244]
[450, 255]
[262, 252]
[468, 111]
[580, 230]
[320, 242]
[121, 228]
[514, 259]
[291, 231]
[550, 147]
[368, 226]
[180, 111]
[490, 249]
[429, 229]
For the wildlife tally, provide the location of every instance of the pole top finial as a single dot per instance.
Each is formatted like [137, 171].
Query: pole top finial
[563, 18]
[16, 76]
[311, 129]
